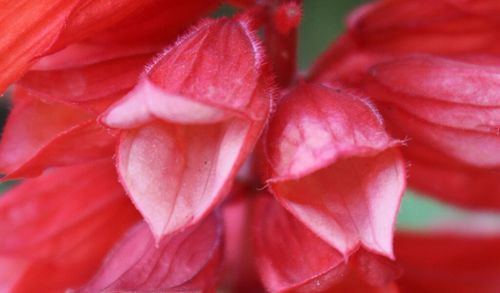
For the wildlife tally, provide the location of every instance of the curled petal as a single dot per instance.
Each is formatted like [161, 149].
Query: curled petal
[335, 168]
[147, 102]
[39, 135]
[58, 227]
[219, 64]
[190, 123]
[185, 262]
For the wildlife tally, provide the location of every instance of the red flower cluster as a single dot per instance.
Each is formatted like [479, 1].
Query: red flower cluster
[167, 153]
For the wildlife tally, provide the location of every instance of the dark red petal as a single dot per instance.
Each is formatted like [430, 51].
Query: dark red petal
[289, 255]
[185, 262]
[238, 273]
[58, 227]
[426, 26]
[156, 22]
[335, 168]
[448, 262]
[191, 122]
[39, 135]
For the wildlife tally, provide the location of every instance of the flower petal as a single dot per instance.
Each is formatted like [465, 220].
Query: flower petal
[190, 123]
[465, 185]
[218, 65]
[185, 262]
[59, 226]
[86, 82]
[334, 167]
[176, 174]
[38, 24]
[405, 26]
[39, 135]
[43, 27]
[289, 256]
[448, 262]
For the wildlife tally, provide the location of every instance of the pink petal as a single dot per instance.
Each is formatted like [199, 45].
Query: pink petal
[335, 168]
[148, 102]
[58, 226]
[185, 262]
[176, 174]
[191, 122]
[39, 135]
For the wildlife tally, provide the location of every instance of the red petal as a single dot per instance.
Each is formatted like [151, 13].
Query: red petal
[465, 185]
[292, 258]
[178, 169]
[58, 225]
[157, 22]
[39, 135]
[46, 26]
[426, 26]
[238, 273]
[446, 262]
[289, 255]
[187, 83]
[335, 168]
[346, 62]
[185, 262]
[86, 82]
[28, 29]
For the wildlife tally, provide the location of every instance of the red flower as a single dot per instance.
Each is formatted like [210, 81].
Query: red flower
[115, 100]
[446, 104]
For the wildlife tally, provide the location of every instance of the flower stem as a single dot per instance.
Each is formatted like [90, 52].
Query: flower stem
[281, 38]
